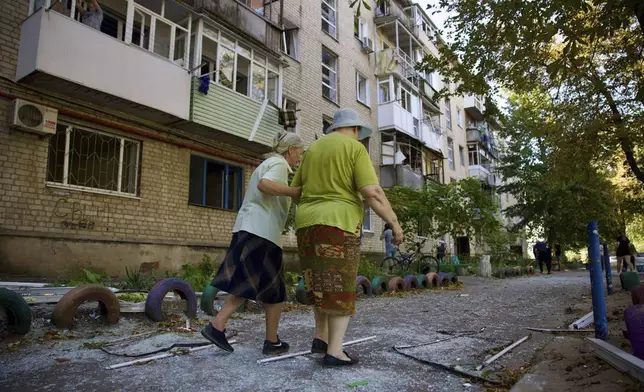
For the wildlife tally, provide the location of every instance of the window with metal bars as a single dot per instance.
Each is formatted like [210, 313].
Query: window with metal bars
[91, 160]
[215, 184]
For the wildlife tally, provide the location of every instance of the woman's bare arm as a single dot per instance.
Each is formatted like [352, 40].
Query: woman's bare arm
[273, 188]
[377, 200]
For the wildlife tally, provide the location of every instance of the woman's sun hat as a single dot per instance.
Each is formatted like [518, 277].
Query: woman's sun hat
[348, 118]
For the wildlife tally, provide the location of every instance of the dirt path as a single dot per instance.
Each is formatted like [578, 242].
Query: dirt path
[503, 307]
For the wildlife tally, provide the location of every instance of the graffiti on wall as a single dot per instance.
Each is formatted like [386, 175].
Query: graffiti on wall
[81, 216]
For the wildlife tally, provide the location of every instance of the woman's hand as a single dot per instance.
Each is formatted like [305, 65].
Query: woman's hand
[398, 234]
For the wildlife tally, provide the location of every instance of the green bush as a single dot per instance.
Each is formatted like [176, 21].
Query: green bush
[199, 275]
[369, 269]
[87, 276]
[136, 279]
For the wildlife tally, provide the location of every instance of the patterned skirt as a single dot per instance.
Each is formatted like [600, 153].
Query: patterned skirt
[329, 258]
[252, 269]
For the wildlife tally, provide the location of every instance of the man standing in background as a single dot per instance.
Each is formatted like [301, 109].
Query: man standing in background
[542, 253]
[94, 17]
[623, 254]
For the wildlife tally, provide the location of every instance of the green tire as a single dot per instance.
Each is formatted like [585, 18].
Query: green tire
[423, 282]
[379, 285]
[208, 297]
[300, 293]
[17, 310]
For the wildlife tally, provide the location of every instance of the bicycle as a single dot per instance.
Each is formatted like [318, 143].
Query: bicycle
[401, 262]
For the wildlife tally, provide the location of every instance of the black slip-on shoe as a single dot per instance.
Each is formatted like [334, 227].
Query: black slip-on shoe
[319, 346]
[271, 348]
[218, 338]
[331, 361]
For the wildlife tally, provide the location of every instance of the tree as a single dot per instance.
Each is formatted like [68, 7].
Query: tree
[557, 191]
[462, 208]
[585, 55]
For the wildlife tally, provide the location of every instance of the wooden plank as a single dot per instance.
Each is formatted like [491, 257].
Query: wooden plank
[620, 359]
[502, 352]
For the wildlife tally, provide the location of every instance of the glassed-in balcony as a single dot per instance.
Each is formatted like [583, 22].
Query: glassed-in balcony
[135, 60]
[475, 106]
[257, 20]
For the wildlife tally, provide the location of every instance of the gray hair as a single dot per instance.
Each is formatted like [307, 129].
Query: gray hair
[285, 140]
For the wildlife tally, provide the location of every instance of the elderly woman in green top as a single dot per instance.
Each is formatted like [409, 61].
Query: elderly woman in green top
[336, 175]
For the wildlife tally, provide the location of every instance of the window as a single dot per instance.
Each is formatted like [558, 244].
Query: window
[365, 143]
[238, 67]
[360, 29]
[215, 184]
[91, 160]
[459, 117]
[329, 75]
[404, 96]
[290, 105]
[448, 113]
[473, 154]
[326, 123]
[450, 153]
[362, 89]
[461, 154]
[329, 17]
[290, 43]
[367, 220]
[384, 91]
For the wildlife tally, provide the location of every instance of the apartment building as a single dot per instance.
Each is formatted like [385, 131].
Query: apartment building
[131, 143]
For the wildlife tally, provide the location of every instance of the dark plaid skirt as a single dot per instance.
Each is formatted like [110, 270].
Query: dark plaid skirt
[252, 269]
[329, 258]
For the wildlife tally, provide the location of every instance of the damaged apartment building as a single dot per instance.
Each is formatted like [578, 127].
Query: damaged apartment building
[130, 141]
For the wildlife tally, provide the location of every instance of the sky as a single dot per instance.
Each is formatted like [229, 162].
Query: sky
[438, 18]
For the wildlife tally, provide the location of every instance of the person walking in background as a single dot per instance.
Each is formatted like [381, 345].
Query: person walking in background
[440, 251]
[623, 253]
[543, 254]
[252, 268]
[92, 18]
[388, 236]
[336, 175]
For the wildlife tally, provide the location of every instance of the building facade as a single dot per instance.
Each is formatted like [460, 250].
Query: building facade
[131, 142]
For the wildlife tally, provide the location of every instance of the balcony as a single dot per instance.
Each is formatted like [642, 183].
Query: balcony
[482, 137]
[243, 20]
[233, 118]
[393, 116]
[392, 61]
[432, 139]
[475, 107]
[482, 174]
[60, 54]
[428, 92]
[400, 175]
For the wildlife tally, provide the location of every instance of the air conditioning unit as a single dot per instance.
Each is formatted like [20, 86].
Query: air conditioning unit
[34, 118]
[367, 45]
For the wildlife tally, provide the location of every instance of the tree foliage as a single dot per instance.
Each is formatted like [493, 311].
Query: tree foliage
[557, 192]
[584, 55]
[461, 208]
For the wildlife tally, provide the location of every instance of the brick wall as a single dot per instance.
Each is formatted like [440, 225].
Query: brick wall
[39, 233]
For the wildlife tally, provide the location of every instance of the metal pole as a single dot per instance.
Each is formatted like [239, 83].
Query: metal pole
[609, 278]
[597, 286]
